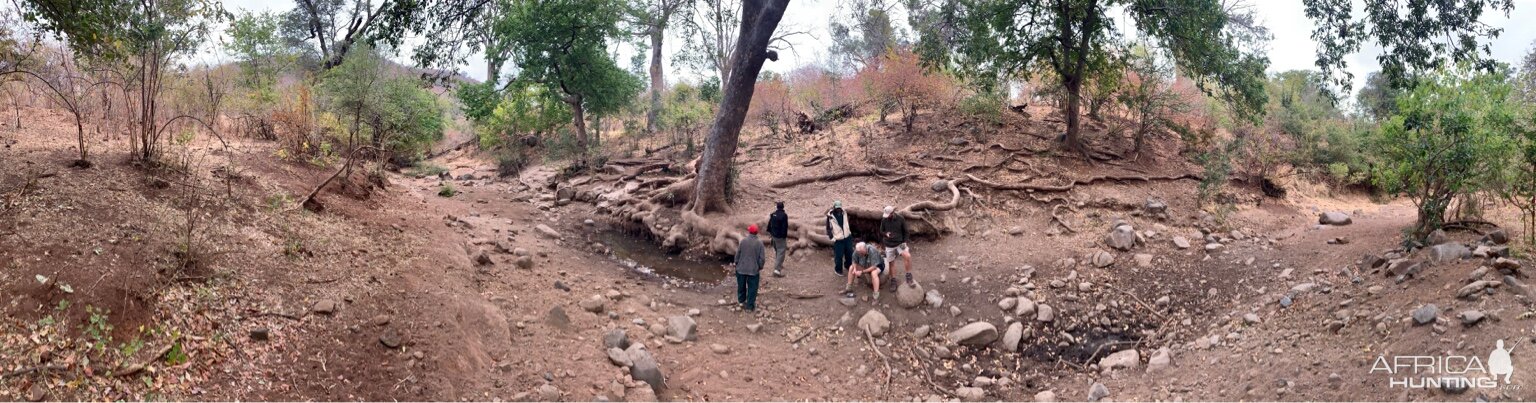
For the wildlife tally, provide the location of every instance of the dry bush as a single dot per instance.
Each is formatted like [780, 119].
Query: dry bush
[900, 84]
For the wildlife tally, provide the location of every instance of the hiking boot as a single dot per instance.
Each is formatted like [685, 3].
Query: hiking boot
[876, 298]
[777, 273]
[909, 280]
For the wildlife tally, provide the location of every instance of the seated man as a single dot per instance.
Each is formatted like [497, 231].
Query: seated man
[866, 260]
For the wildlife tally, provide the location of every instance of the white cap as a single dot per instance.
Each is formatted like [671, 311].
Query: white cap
[888, 210]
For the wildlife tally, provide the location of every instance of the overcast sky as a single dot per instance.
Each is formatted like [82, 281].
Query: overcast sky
[1292, 47]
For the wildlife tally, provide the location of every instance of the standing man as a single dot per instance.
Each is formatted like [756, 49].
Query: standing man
[893, 234]
[866, 260]
[842, 239]
[749, 261]
[778, 229]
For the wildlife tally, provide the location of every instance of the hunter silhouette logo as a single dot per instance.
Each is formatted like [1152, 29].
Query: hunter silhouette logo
[1448, 371]
[1499, 362]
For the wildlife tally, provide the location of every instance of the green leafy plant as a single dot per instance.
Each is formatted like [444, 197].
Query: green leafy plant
[1450, 138]
[446, 190]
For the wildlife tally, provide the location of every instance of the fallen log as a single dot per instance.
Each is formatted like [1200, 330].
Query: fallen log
[1075, 183]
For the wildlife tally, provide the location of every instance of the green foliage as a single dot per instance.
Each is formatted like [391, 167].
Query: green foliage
[986, 106]
[98, 328]
[1450, 138]
[395, 114]
[477, 101]
[424, 169]
[1216, 165]
[263, 55]
[1078, 41]
[525, 109]
[1378, 99]
[685, 111]
[864, 35]
[446, 190]
[563, 44]
[1417, 36]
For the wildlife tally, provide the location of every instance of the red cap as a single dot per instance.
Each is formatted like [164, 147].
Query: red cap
[752, 229]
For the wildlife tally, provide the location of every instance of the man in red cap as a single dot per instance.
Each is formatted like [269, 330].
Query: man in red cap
[749, 261]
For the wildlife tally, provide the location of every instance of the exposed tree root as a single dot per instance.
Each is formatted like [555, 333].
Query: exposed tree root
[1057, 218]
[832, 177]
[1075, 183]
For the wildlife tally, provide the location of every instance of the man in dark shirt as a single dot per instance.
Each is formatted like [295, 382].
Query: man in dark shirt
[893, 235]
[778, 229]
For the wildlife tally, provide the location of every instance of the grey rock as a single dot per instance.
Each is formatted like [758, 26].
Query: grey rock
[1023, 307]
[909, 296]
[974, 334]
[718, 348]
[547, 231]
[970, 394]
[1448, 252]
[1155, 207]
[390, 339]
[524, 262]
[1251, 318]
[324, 307]
[1334, 218]
[1097, 392]
[1045, 396]
[1181, 242]
[1122, 237]
[1102, 259]
[616, 338]
[618, 357]
[939, 185]
[934, 298]
[1012, 336]
[1471, 317]
[1143, 260]
[921, 331]
[1044, 313]
[875, 323]
[1007, 304]
[682, 327]
[595, 304]
[1498, 237]
[1127, 359]
[1425, 314]
[645, 369]
[1161, 360]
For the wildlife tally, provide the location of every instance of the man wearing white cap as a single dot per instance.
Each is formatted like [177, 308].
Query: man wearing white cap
[893, 234]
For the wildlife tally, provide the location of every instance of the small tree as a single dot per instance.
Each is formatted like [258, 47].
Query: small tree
[1450, 138]
[563, 45]
[1149, 98]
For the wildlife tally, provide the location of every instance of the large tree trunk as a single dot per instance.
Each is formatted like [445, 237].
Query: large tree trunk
[1074, 84]
[759, 18]
[579, 119]
[658, 83]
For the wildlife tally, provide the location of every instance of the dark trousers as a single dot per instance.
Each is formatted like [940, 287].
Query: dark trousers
[746, 291]
[842, 255]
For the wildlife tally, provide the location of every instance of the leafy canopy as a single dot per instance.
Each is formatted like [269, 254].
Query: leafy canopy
[985, 40]
[563, 44]
[1415, 35]
[1451, 137]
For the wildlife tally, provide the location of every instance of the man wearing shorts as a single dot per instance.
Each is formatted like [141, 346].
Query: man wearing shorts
[866, 260]
[893, 234]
